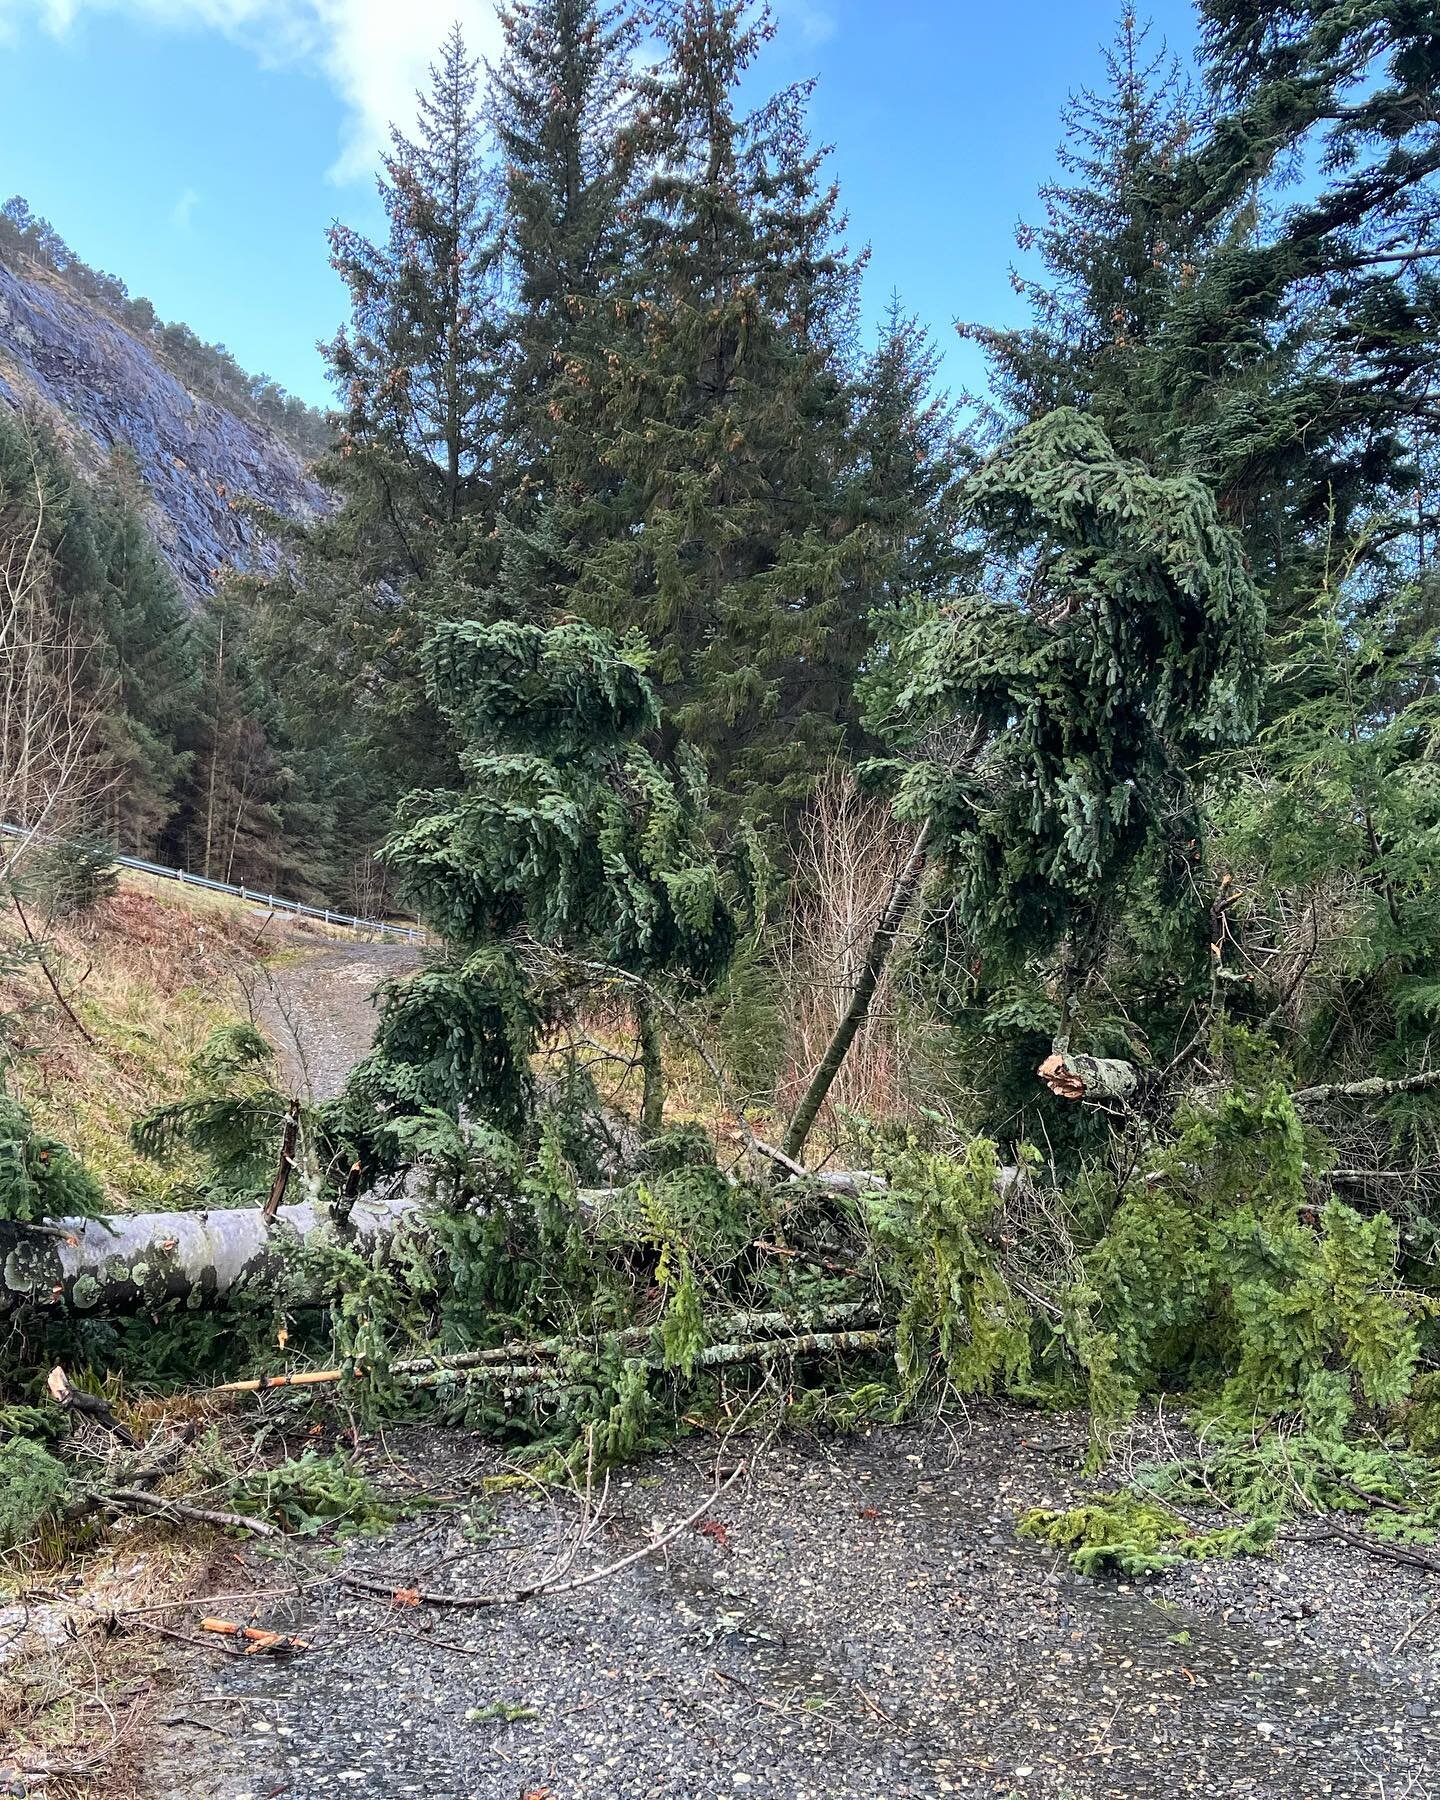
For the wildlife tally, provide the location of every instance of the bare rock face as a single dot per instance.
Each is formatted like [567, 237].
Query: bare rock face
[100, 387]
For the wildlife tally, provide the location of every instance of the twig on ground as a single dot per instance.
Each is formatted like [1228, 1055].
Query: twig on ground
[544, 1588]
[137, 1499]
[1414, 1626]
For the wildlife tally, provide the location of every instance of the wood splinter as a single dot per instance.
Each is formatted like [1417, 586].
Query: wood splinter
[76, 1401]
[256, 1639]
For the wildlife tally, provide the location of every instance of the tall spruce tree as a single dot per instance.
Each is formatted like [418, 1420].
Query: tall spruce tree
[151, 643]
[558, 101]
[909, 461]
[721, 396]
[1112, 251]
[416, 365]
[1301, 364]
[96, 634]
[1050, 725]
[419, 470]
[569, 844]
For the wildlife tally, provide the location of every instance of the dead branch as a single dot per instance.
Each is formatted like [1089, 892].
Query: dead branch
[518, 1355]
[132, 1499]
[1411, 1555]
[544, 1588]
[90, 1406]
[286, 1164]
[1373, 1087]
[46, 970]
[255, 1638]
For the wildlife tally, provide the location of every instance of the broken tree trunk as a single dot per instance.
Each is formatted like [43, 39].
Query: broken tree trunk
[287, 1162]
[1071, 1076]
[652, 1066]
[1373, 1087]
[140, 1261]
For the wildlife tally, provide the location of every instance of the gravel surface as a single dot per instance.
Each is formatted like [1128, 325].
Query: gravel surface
[317, 1007]
[855, 1620]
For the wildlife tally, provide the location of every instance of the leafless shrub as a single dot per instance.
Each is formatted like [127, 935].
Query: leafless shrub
[849, 855]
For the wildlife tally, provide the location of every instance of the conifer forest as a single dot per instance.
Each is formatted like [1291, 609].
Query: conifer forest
[902, 925]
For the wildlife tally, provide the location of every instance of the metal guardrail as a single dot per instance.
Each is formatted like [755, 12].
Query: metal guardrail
[413, 934]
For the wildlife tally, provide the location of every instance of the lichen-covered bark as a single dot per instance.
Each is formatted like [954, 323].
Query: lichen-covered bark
[141, 1261]
[1070, 1076]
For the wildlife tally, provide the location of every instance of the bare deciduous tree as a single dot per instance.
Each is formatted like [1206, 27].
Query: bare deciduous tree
[53, 687]
[850, 854]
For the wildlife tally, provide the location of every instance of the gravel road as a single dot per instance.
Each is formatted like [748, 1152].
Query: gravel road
[317, 1008]
[855, 1620]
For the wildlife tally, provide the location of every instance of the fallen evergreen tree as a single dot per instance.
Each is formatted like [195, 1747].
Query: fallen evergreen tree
[136, 1262]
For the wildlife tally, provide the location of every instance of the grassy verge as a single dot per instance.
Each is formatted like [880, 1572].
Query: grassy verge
[147, 975]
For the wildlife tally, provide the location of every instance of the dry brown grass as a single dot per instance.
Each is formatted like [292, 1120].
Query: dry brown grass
[147, 978]
[79, 1692]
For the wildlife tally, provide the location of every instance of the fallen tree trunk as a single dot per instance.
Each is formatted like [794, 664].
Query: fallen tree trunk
[141, 1261]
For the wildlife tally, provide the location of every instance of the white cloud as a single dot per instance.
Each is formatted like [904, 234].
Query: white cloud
[376, 53]
[183, 211]
[373, 53]
[811, 22]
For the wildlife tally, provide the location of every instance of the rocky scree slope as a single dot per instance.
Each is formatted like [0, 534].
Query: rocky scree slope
[100, 387]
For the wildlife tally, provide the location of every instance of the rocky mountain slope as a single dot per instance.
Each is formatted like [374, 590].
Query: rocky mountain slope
[101, 386]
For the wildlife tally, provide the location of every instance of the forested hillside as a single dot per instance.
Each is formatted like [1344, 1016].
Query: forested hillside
[945, 899]
[138, 469]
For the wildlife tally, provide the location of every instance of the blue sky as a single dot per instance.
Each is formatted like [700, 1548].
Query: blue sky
[199, 148]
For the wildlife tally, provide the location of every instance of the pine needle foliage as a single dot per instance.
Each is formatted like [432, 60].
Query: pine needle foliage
[39, 1177]
[1216, 1270]
[957, 1317]
[1123, 640]
[34, 1486]
[231, 1119]
[570, 839]
[1127, 1533]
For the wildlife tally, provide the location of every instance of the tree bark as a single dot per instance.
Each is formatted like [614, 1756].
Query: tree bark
[881, 944]
[141, 1261]
[1070, 1076]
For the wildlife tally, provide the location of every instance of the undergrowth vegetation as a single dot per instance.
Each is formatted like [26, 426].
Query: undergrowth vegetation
[146, 980]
